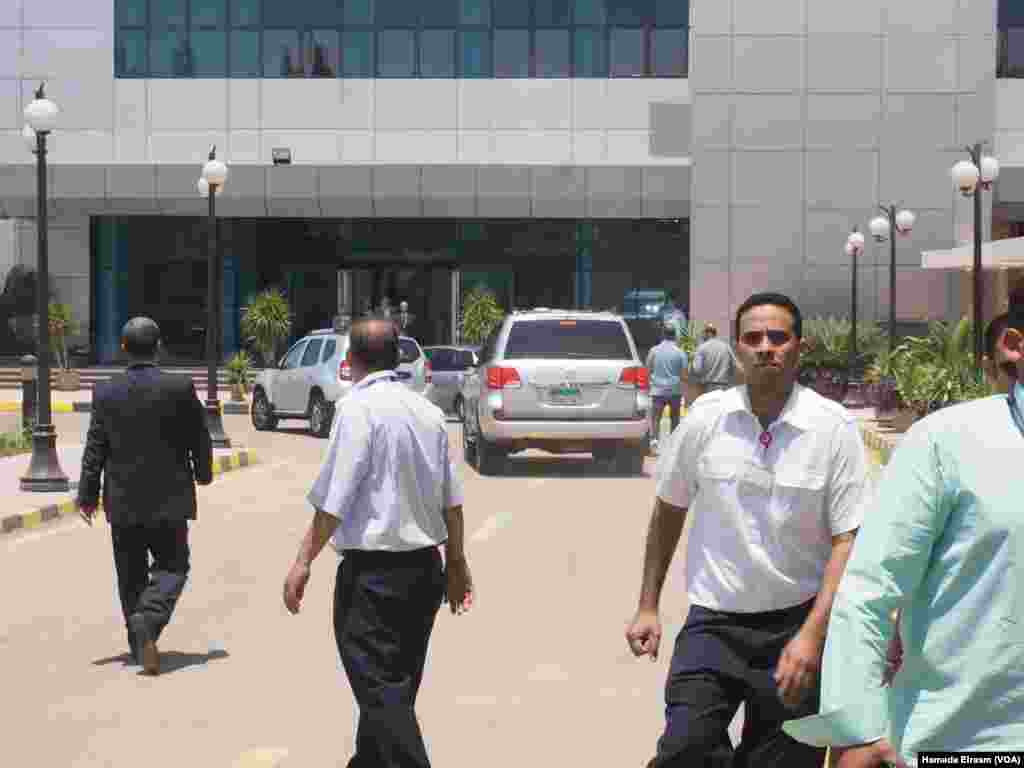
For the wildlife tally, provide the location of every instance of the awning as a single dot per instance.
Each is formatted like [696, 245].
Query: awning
[1000, 254]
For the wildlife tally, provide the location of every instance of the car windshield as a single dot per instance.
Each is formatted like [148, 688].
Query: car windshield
[577, 339]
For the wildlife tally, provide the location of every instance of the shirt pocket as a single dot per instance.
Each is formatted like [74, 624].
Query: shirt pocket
[712, 469]
[799, 503]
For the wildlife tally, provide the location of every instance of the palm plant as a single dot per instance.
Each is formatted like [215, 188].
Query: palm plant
[938, 369]
[62, 325]
[266, 321]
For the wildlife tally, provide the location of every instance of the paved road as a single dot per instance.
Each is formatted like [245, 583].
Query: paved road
[537, 674]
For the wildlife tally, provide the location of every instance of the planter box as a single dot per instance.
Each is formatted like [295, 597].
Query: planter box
[238, 392]
[67, 381]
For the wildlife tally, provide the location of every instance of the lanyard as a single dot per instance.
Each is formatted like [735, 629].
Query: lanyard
[1018, 419]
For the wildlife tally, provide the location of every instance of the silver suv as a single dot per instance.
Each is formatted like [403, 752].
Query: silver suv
[563, 381]
[315, 374]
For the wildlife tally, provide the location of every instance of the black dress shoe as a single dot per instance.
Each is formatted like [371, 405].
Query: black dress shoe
[146, 652]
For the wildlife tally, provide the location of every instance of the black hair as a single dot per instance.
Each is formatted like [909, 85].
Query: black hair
[141, 338]
[993, 332]
[774, 300]
[374, 342]
[668, 331]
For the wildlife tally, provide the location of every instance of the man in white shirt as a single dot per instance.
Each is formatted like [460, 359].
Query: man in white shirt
[388, 495]
[774, 474]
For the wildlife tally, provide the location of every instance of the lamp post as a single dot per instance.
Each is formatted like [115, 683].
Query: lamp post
[967, 175]
[893, 222]
[44, 472]
[854, 248]
[215, 174]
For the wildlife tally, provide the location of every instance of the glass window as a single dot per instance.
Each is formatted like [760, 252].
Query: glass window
[357, 54]
[511, 13]
[1012, 52]
[359, 11]
[408, 351]
[437, 53]
[671, 13]
[131, 53]
[474, 54]
[208, 13]
[245, 53]
[589, 12]
[131, 13]
[210, 53]
[668, 54]
[511, 53]
[329, 348]
[552, 53]
[312, 353]
[169, 55]
[439, 13]
[396, 53]
[552, 13]
[1011, 13]
[245, 13]
[578, 339]
[167, 13]
[630, 12]
[323, 51]
[590, 58]
[294, 355]
[627, 52]
[475, 12]
[396, 13]
[281, 56]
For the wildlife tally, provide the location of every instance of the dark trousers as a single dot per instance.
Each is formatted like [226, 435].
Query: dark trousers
[384, 609]
[722, 659]
[658, 405]
[152, 590]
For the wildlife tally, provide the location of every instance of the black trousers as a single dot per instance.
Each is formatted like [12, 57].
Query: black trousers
[658, 404]
[722, 659]
[384, 609]
[150, 589]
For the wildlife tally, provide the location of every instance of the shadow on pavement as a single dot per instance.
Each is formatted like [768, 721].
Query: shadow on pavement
[170, 661]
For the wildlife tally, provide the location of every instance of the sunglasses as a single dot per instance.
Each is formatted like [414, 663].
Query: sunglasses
[775, 338]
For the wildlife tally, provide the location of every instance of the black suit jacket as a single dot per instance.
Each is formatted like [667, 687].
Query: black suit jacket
[149, 441]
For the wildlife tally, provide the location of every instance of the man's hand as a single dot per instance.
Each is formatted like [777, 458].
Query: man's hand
[459, 592]
[295, 587]
[644, 634]
[797, 671]
[872, 755]
[87, 513]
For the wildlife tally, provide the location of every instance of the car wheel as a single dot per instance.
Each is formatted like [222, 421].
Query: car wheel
[320, 415]
[489, 459]
[262, 412]
[468, 446]
[459, 408]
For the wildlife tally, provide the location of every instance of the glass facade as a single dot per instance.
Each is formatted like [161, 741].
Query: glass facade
[401, 38]
[526, 263]
[1010, 52]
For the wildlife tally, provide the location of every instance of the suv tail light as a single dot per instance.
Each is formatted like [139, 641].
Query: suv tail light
[428, 372]
[635, 376]
[503, 378]
[345, 370]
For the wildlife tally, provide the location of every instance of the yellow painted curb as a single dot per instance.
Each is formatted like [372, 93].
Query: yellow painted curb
[13, 406]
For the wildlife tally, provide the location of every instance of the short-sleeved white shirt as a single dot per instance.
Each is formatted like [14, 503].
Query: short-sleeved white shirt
[763, 517]
[387, 474]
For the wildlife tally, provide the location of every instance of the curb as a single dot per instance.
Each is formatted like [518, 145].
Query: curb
[56, 406]
[40, 515]
[85, 406]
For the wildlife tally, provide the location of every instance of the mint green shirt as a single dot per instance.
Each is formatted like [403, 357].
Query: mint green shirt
[944, 540]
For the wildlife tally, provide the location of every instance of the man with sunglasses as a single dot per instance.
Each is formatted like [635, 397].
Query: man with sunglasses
[942, 540]
[774, 474]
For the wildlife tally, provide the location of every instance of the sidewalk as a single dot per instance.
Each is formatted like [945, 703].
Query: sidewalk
[36, 509]
[81, 401]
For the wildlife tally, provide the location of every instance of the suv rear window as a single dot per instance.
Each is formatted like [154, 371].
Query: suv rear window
[450, 359]
[408, 352]
[578, 339]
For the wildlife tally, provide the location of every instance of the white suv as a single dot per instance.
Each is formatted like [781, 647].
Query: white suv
[315, 374]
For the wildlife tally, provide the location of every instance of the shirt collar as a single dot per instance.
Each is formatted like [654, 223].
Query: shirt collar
[373, 378]
[793, 412]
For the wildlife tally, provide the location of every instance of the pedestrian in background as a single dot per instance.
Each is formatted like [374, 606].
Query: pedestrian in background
[666, 364]
[942, 542]
[388, 494]
[774, 474]
[714, 364]
[148, 444]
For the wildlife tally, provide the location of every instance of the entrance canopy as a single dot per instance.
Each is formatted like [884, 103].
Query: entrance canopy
[999, 254]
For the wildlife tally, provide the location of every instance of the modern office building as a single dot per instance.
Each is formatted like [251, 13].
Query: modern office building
[560, 152]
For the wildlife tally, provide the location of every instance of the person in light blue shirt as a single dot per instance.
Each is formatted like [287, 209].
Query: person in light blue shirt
[666, 364]
[943, 541]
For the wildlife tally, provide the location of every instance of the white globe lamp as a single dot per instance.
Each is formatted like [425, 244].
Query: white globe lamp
[879, 227]
[965, 176]
[905, 222]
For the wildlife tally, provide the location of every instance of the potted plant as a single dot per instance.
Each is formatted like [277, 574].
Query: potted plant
[266, 322]
[62, 325]
[481, 314]
[239, 369]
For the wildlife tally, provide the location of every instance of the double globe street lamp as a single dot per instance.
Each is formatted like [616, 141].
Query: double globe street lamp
[854, 248]
[210, 184]
[891, 223]
[44, 472]
[968, 175]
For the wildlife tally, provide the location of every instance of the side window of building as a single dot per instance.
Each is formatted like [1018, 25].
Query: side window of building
[312, 353]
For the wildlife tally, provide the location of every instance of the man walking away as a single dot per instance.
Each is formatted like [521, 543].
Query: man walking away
[149, 444]
[388, 494]
[774, 474]
[666, 364]
[714, 364]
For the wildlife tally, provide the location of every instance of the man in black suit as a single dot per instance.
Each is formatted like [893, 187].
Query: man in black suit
[149, 440]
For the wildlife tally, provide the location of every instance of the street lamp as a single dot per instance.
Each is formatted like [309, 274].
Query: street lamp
[210, 184]
[967, 175]
[44, 472]
[854, 248]
[893, 222]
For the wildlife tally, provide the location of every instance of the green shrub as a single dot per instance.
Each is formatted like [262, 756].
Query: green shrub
[481, 314]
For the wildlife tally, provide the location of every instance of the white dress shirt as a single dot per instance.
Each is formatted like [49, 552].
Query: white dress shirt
[765, 503]
[387, 475]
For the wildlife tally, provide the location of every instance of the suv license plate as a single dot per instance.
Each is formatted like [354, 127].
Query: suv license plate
[564, 395]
